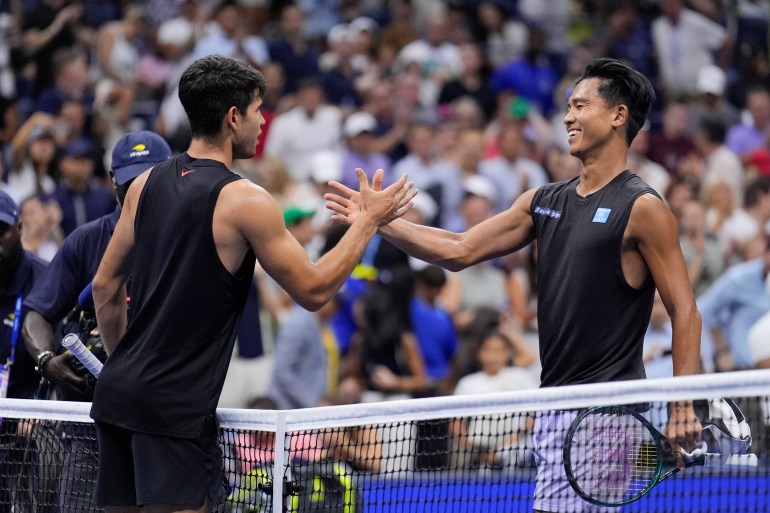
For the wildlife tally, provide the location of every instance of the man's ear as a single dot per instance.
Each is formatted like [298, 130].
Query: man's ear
[620, 116]
[231, 118]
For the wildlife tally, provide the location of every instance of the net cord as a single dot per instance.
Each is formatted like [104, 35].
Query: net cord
[704, 386]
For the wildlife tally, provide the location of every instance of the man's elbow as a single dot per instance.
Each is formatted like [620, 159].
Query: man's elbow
[100, 290]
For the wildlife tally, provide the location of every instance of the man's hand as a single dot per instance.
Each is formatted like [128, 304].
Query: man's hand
[683, 430]
[381, 205]
[59, 371]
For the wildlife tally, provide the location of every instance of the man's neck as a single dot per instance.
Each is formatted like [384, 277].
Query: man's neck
[601, 169]
[203, 149]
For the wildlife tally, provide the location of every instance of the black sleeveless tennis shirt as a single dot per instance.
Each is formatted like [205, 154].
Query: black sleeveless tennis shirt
[591, 322]
[167, 372]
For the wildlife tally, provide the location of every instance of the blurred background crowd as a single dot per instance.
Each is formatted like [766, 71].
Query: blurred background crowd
[467, 97]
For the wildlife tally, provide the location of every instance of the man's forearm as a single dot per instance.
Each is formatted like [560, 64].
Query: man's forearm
[433, 245]
[38, 334]
[334, 267]
[111, 317]
[686, 343]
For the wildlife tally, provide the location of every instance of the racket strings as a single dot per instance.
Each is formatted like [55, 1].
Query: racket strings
[615, 456]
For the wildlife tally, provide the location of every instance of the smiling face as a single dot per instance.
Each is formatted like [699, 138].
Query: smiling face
[590, 121]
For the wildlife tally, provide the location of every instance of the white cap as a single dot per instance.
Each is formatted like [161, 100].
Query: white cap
[480, 186]
[326, 165]
[363, 23]
[711, 79]
[358, 123]
[425, 205]
[338, 33]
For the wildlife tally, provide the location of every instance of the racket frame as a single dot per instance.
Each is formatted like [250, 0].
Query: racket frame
[617, 410]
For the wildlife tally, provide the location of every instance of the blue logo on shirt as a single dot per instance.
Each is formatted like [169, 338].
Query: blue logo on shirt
[601, 215]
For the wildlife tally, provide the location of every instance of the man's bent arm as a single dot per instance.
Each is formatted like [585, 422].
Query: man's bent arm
[109, 289]
[657, 236]
[653, 226]
[312, 284]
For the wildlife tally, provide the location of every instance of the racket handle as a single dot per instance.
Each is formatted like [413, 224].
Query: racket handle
[72, 342]
[714, 460]
[699, 453]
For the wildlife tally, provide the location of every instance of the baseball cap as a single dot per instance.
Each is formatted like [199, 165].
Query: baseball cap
[39, 132]
[481, 186]
[339, 33]
[79, 148]
[711, 79]
[426, 206]
[358, 123]
[294, 214]
[364, 24]
[325, 166]
[136, 152]
[9, 210]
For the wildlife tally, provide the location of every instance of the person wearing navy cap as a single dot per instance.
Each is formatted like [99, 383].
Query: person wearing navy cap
[19, 270]
[70, 271]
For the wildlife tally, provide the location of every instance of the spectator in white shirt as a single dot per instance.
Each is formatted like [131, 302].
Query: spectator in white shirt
[438, 60]
[308, 128]
[685, 41]
[231, 38]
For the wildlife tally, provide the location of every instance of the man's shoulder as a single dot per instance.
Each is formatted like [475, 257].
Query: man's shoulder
[99, 227]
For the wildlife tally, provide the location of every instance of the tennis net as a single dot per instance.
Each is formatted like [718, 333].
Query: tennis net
[459, 454]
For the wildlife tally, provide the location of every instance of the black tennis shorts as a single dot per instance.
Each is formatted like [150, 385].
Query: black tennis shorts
[137, 468]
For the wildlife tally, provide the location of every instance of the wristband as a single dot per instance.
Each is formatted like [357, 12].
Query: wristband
[42, 359]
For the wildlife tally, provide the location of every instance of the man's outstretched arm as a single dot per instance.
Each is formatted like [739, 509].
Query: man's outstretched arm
[504, 233]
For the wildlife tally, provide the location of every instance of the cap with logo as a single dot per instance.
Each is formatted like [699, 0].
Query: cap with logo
[9, 210]
[136, 152]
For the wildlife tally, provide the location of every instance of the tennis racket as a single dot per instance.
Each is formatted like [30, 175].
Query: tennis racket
[614, 456]
[72, 342]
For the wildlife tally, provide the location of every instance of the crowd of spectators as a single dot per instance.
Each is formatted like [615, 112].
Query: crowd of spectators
[467, 97]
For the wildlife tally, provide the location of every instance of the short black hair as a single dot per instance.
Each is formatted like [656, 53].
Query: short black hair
[431, 276]
[621, 84]
[755, 189]
[713, 129]
[213, 84]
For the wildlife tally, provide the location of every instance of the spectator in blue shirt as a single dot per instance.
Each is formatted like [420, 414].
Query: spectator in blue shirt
[433, 327]
[291, 50]
[530, 76]
[730, 306]
[81, 199]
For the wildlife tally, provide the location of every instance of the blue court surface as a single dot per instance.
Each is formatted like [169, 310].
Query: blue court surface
[695, 494]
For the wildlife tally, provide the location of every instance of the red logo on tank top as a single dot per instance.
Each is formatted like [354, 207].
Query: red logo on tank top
[187, 171]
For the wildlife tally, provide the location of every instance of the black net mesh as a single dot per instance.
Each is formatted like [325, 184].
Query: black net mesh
[481, 463]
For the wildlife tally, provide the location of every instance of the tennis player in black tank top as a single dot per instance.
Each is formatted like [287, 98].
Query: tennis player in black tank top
[188, 235]
[605, 242]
